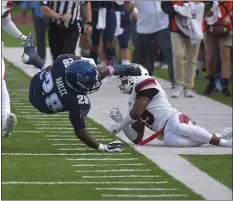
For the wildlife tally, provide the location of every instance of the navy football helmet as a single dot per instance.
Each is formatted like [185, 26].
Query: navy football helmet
[83, 77]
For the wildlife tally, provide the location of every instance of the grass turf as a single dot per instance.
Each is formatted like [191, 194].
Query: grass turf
[219, 167]
[33, 134]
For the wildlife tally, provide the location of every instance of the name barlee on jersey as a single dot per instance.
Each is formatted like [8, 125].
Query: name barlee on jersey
[61, 86]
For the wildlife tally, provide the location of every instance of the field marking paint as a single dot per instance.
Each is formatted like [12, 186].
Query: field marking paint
[144, 196]
[64, 144]
[120, 176]
[56, 123]
[74, 149]
[117, 170]
[137, 189]
[98, 137]
[61, 128]
[106, 165]
[101, 159]
[65, 154]
[81, 183]
[75, 139]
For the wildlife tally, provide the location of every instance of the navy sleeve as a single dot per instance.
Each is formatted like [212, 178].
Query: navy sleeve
[80, 107]
[77, 121]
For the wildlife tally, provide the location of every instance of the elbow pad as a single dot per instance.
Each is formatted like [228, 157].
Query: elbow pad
[10, 27]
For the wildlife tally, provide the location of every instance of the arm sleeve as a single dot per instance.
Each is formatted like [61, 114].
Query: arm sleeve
[10, 27]
[149, 93]
[77, 121]
[168, 8]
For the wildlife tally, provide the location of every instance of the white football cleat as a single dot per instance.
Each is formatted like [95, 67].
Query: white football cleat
[226, 133]
[11, 122]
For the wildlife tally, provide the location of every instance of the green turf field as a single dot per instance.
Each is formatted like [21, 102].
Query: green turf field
[218, 167]
[44, 160]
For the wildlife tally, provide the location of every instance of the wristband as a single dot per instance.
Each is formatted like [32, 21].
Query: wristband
[101, 148]
[89, 23]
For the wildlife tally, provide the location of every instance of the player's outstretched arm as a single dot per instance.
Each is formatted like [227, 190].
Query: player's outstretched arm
[135, 132]
[119, 70]
[87, 139]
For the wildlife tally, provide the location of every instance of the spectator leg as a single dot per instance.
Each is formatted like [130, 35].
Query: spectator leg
[40, 26]
[191, 53]
[56, 40]
[70, 40]
[163, 38]
[178, 51]
[144, 51]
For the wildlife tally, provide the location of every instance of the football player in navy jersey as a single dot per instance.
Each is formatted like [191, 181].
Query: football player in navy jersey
[64, 85]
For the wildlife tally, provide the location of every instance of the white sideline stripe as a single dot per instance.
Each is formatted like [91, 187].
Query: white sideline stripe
[81, 183]
[68, 136]
[75, 139]
[54, 135]
[101, 165]
[120, 176]
[144, 196]
[137, 189]
[117, 170]
[65, 154]
[101, 159]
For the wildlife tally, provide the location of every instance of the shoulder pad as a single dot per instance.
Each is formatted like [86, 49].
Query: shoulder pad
[143, 82]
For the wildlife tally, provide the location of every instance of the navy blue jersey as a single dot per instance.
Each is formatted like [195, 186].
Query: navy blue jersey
[49, 93]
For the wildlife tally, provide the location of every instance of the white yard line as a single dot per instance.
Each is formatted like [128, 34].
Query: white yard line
[107, 165]
[117, 170]
[137, 189]
[120, 176]
[74, 149]
[143, 196]
[66, 154]
[101, 159]
[74, 139]
[62, 128]
[64, 144]
[79, 183]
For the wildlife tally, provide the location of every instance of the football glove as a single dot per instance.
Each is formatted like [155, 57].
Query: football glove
[115, 146]
[116, 115]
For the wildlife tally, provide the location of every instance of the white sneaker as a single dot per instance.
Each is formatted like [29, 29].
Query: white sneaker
[177, 91]
[11, 122]
[164, 66]
[226, 133]
[157, 64]
[188, 93]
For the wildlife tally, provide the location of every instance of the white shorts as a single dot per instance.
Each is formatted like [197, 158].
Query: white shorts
[3, 70]
[181, 132]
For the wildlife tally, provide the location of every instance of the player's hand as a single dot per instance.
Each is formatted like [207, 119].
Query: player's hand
[66, 17]
[90, 60]
[133, 70]
[115, 146]
[116, 115]
[114, 129]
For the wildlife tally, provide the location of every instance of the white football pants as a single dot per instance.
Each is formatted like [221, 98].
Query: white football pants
[177, 134]
[5, 97]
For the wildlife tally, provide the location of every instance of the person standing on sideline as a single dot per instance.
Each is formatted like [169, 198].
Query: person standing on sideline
[40, 25]
[152, 25]
[185, 43]
[64, 25]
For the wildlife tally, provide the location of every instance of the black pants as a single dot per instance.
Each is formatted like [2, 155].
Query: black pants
[62, 40]
[40, 26]
[144, 50]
